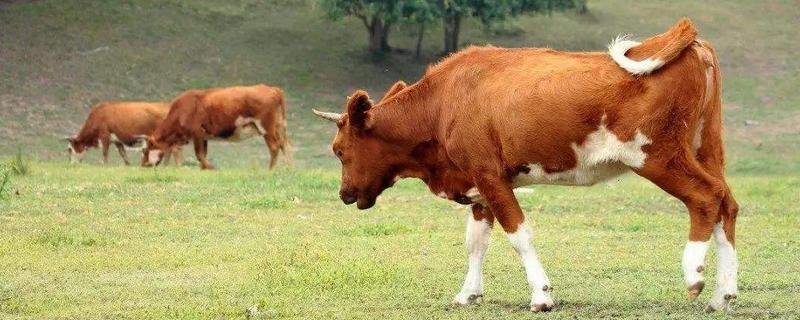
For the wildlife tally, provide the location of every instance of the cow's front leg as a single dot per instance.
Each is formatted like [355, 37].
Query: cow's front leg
[499, 194]
[479, 230]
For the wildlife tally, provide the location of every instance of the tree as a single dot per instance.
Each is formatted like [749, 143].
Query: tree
[419, 13]
[489, 11]
[376, 15]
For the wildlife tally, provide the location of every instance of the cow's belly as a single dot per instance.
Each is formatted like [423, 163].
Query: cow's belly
[602, 156]
[579, 176]
[244, 128]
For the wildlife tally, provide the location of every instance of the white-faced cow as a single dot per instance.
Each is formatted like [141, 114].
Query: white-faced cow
[119, 123]
[487, 120]
[231, 114]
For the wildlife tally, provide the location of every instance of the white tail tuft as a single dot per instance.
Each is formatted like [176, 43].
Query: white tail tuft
[617, 49]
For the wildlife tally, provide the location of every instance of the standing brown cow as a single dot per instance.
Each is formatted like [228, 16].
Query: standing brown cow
[231, 114]
[120, 123]
[487, 120]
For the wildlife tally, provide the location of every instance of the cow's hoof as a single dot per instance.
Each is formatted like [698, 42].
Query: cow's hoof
[465, 299]
[695, 290]
[721, 302]
[542, 307]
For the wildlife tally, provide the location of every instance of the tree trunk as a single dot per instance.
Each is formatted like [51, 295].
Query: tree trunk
[419, 40]
[452, 26]
[378, 35]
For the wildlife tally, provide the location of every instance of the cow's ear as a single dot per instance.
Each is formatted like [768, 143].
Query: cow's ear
[394, 89]
[357, 106]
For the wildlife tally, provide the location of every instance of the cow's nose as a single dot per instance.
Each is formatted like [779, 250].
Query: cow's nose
[348, 196]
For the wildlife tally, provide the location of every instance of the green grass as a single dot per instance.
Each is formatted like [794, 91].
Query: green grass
[89, 242]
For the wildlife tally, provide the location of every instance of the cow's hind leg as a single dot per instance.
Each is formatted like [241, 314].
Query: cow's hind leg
[479, 230]
[683, 177]
[122, 152]
[274, 147]
[711, 156]
[500, 196]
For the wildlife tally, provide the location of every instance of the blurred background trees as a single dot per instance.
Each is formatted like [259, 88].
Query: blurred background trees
[378, 16]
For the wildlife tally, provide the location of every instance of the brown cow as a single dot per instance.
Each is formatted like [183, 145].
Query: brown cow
[231, 114]
[487, 120]
[118, 123]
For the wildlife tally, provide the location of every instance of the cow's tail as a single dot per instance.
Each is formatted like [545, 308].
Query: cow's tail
[649, 55]
[282, 124]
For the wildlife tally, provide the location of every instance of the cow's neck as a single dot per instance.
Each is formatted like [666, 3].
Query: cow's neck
[407, 117]
[433, 167]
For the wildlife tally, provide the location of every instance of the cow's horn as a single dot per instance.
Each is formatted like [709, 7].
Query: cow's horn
[330, 116]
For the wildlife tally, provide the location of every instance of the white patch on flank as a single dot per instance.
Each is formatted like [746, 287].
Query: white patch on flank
[617, 49]
[154, 156]
[697, 141]
[601, 157]
[727, 265]
[537, 279]
[694, 256]
[478, 234]
[246, 127]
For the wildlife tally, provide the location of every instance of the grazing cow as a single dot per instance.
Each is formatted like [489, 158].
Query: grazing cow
[487, 120]
[118, 123]
[231, 114]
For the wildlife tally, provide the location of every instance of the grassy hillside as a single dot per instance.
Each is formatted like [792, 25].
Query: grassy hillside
[114, 243]
[59, 57]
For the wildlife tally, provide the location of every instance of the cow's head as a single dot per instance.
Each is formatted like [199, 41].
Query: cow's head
[370, 163]
[76, 149]
[153, 150]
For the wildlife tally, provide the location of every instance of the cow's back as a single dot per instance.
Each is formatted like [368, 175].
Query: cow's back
[537, 105]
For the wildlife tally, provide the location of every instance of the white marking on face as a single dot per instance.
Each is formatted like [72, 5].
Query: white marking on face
[154, 156]
[727, 266]
[521, 240]
[617, 49]
[74, 156]
[694, 256]
[601, 157]
[478, 234]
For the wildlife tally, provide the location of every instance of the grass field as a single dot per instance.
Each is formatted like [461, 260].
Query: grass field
[87, 242]
[93, 242]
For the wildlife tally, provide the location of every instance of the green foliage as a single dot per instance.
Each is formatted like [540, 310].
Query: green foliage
[490, 11]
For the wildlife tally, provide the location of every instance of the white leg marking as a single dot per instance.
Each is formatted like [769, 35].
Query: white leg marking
[694, 256]
[727, 265]
[478, 234]
[537, 279]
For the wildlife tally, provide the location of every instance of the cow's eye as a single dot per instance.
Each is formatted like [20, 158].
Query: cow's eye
[339, 153]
